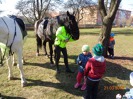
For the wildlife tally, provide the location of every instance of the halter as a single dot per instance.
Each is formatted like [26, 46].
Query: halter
[10, 51]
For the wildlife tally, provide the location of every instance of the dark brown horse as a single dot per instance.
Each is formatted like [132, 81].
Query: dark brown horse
[46, 29]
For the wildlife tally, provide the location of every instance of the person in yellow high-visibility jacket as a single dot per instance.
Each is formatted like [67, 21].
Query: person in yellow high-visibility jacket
[62, 37]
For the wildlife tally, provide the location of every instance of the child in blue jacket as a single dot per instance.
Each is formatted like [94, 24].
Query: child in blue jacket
[111, 45]
[81, 61]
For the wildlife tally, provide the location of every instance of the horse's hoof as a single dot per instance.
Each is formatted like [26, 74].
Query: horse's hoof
[23, 84]
[37, 54]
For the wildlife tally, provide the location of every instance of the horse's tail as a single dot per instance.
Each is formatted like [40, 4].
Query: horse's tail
[39, 41]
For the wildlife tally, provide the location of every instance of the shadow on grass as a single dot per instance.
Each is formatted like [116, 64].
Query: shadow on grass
[67, 80]
[124, 58]
[10, 97]
[116, 70]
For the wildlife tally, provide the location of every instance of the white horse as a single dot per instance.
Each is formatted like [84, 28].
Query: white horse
[11, 42]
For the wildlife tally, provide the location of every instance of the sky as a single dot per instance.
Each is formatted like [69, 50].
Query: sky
[9, 6]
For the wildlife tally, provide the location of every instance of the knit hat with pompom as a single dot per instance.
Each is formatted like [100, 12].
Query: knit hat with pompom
[85, 48]
[98, 49]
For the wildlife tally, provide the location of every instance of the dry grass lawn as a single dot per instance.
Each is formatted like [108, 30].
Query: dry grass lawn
[44, 83]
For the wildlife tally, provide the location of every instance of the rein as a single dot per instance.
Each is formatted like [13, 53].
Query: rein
[10, 51]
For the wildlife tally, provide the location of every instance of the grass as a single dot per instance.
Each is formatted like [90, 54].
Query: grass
[44, 83]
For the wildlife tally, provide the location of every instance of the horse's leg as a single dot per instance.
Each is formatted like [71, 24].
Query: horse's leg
[44, 47]
[14, 60]
[10, 64]
[23, 61]
[51, 53]
[37, 51]
[20, 66]
[38, 44]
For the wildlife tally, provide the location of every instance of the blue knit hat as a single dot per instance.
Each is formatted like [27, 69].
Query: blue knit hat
[98, 49]
[112, 34]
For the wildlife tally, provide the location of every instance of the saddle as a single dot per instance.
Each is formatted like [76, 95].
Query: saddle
[21, 24]
[45, 24]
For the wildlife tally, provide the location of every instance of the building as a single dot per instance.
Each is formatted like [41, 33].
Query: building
[95, 18]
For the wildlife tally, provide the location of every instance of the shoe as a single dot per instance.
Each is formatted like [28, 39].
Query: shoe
[83, 87]
[112, 57]
[69, 71]
[109, 56]
[77, 85]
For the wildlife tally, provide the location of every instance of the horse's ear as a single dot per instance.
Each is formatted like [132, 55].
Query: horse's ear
[68, 13]
[73, 12]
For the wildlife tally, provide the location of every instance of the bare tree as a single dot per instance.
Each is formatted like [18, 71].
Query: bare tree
[34, 10]
[77, 7]
[0, 9]
[107, 17]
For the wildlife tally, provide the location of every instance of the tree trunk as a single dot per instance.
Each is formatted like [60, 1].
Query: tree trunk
[107, 19]
[105, 34]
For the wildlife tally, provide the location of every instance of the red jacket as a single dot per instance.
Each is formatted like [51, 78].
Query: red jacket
[95, 69]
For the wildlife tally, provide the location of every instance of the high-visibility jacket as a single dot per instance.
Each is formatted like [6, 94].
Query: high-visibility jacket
[61, 37]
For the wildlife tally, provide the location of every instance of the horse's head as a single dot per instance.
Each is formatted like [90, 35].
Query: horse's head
[73, 26]
[70, 23]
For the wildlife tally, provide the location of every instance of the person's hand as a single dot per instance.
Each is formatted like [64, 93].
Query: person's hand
[67, 40]
[80, 62]
[109, 46]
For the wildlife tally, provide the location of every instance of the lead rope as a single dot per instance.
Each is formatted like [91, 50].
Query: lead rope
[10, 52]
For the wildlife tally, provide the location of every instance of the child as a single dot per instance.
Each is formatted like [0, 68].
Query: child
[111, 45]
[93, 72]
[81, 61]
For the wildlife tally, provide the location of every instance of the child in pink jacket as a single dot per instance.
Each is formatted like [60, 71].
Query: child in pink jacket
[81, 61]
